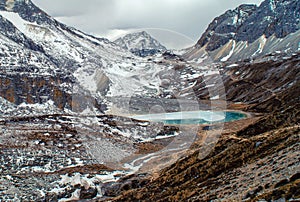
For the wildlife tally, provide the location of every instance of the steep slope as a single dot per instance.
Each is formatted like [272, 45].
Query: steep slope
[140, 43]
[49, 153]
[249, 31]
[225, 27]
[44, 60]
[63, 62]
[256, 163]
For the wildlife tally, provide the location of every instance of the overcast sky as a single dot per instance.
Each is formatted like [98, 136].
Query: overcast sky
[182, 21]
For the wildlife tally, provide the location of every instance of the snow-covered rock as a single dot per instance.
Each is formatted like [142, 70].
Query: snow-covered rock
[140, 43]
[250, 32]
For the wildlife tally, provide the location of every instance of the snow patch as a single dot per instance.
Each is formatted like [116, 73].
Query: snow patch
[233, 65]
[262, 42]
[272, 5]
[231, 51]
[16, 20]
[205, 115]
[235, 20]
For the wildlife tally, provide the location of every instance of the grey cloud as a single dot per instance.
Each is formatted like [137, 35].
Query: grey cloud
[189, 17]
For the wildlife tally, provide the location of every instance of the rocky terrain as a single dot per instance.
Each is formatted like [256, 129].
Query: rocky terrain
[250, 31]
[58, 141]
[257, 162]
[57, 157]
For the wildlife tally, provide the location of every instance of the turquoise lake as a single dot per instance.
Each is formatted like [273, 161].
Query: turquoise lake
[193, 117]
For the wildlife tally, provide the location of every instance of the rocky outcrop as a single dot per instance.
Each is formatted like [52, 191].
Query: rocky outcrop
[225, 27]
[278, 17]
[27, 10]
[23, 89]
[251, 32]
[248, 23]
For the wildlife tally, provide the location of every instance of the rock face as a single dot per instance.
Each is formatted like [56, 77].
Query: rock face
[225, 27]
[35, 45]
[140, 44]
[278, 17]
[249, 22]
[250, 31]
[29, 71]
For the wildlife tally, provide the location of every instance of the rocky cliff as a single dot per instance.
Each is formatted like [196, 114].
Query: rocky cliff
[250, 31]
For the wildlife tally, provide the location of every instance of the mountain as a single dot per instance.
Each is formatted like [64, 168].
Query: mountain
[250, 31]
[68, 100]
[43, 59]
[140, 43]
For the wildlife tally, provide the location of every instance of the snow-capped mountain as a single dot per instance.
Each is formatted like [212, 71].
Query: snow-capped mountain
[43, 59]
[140, 43]
[56, 80]
[250, 31]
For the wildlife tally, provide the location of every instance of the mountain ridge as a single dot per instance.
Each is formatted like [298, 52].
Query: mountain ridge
[62, 92]
[245, 26]
[250, 32]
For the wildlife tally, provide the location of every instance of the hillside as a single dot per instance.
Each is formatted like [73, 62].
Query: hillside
[69, 104]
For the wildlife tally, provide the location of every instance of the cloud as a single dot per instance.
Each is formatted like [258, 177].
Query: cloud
[101, 17]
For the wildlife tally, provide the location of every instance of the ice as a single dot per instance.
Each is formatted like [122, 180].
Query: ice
[215, 97]
[109, 176]
[205, 115]
[233, 65]
[210, 72]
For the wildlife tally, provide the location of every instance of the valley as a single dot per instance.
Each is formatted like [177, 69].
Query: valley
[83, 118]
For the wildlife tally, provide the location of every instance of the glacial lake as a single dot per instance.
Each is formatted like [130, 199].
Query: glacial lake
[193, 117]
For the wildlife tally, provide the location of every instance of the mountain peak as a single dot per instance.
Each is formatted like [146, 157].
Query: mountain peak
[143, 33]
[223, 28]
[140, 43]
[26, 10]
[249, 22]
